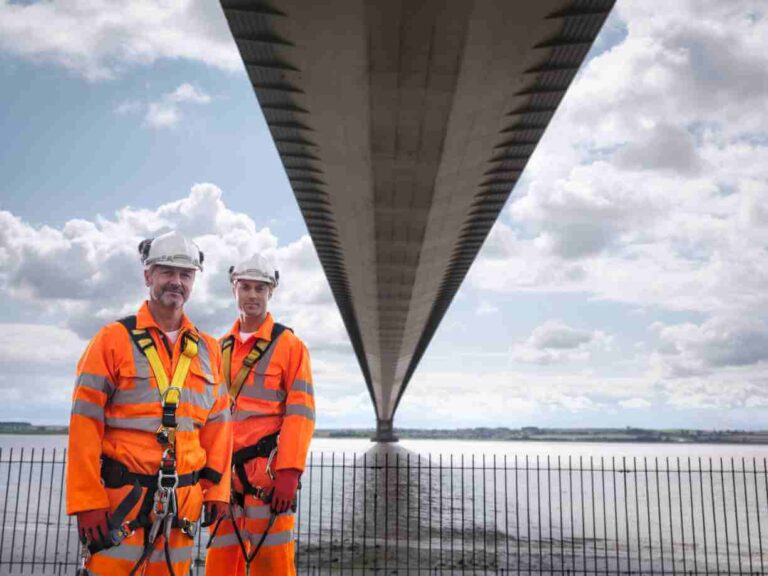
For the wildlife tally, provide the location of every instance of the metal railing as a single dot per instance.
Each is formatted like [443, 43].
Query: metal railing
[391, 511]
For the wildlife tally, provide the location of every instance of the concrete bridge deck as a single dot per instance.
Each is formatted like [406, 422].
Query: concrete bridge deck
[403, 127]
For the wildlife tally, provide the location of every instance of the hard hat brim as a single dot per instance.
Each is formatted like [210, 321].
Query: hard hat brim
[182, 263]
[254, 278]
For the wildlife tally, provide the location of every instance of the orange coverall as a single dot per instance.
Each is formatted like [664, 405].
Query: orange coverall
[116, 412]
[277, 396]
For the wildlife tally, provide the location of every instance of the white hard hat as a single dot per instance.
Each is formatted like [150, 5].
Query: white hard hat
[258, 268]
[171, 249]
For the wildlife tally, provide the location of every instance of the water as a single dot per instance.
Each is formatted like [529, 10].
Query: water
[452, 506]
[540, 508]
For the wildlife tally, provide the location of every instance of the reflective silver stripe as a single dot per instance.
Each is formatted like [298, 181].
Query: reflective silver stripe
[273, 538]
[149, 423]
[300, 410]
[142, 393]
[204, 357]
[257, 393]
[145, 424]
[133, 552]
[96, 382]
[241, 415]
[187, 424]
[262, 512]
[303, 386]
[225, 540]
[89, 409]
[222, 415]
[140, 363]
[125, 551]
[204, 400]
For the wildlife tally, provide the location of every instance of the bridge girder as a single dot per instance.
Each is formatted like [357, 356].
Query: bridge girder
[403, 128]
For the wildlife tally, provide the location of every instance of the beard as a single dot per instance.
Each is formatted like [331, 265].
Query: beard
[175, 297]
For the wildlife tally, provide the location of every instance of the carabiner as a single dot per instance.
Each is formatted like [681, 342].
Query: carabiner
[269, 463]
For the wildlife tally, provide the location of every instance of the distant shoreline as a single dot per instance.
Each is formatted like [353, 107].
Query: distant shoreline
[532, 434]
[526, 434]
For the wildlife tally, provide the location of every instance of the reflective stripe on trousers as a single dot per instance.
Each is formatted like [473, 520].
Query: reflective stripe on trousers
[276, 555]
[120, 560]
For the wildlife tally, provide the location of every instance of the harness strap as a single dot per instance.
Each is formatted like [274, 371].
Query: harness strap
[258, 349]
[262, 449]
[249, 558]
[170, 394]
[167, 478]
[116, 475]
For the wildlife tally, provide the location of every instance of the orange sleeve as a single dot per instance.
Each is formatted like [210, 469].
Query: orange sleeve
[299, 422]
[216, 435]
[94, 386]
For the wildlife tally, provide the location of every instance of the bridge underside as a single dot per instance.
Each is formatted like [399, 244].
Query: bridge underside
[403, 127]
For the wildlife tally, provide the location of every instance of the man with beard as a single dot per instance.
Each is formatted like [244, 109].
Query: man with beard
[150, 434]
[267, 371]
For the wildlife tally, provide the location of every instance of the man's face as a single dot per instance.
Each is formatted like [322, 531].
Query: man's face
[169, 286]
[252, 297]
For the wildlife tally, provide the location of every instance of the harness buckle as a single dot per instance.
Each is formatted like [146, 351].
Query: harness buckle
[166, 436]
[164, 396]
[167, 476]
[188, 527]
[117, 535]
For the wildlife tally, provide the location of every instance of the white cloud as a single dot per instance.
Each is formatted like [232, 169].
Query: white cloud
[649, 189]
[39, 344]
[635, 403]
[88, 273]
[99, 38]
[718, 364]
[554, 342]
[513, 398]
[650, 186]
[485, 308]
[165, 112]
[188, 93]
[162, 115]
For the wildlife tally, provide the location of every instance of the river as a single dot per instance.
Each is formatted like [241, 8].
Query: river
[452, 506]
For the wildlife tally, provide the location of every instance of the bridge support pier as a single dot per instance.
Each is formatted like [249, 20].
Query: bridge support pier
[384, 432]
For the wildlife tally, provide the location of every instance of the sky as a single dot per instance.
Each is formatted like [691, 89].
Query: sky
[624, 283]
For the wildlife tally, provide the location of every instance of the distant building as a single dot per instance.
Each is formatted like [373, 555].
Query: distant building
[15, 426]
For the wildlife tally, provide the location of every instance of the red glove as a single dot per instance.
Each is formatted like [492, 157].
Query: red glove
[93, 528]
[212, 511]
[284, 491]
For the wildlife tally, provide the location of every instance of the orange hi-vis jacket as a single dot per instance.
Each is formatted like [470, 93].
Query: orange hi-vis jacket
[116, 412]
[277, 395]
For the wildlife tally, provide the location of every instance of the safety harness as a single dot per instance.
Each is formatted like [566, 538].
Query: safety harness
[264, 448]
[158, 513]
[258, 349]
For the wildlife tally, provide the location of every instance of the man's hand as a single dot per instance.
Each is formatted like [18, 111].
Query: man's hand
[284, 491]
[93, 527]
[212, 511]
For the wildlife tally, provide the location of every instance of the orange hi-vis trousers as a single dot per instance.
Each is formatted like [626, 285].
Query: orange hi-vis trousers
[120, 560]
[276, 555]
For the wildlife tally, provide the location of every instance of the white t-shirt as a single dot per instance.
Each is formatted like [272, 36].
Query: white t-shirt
[245, 335]
[172, 336]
